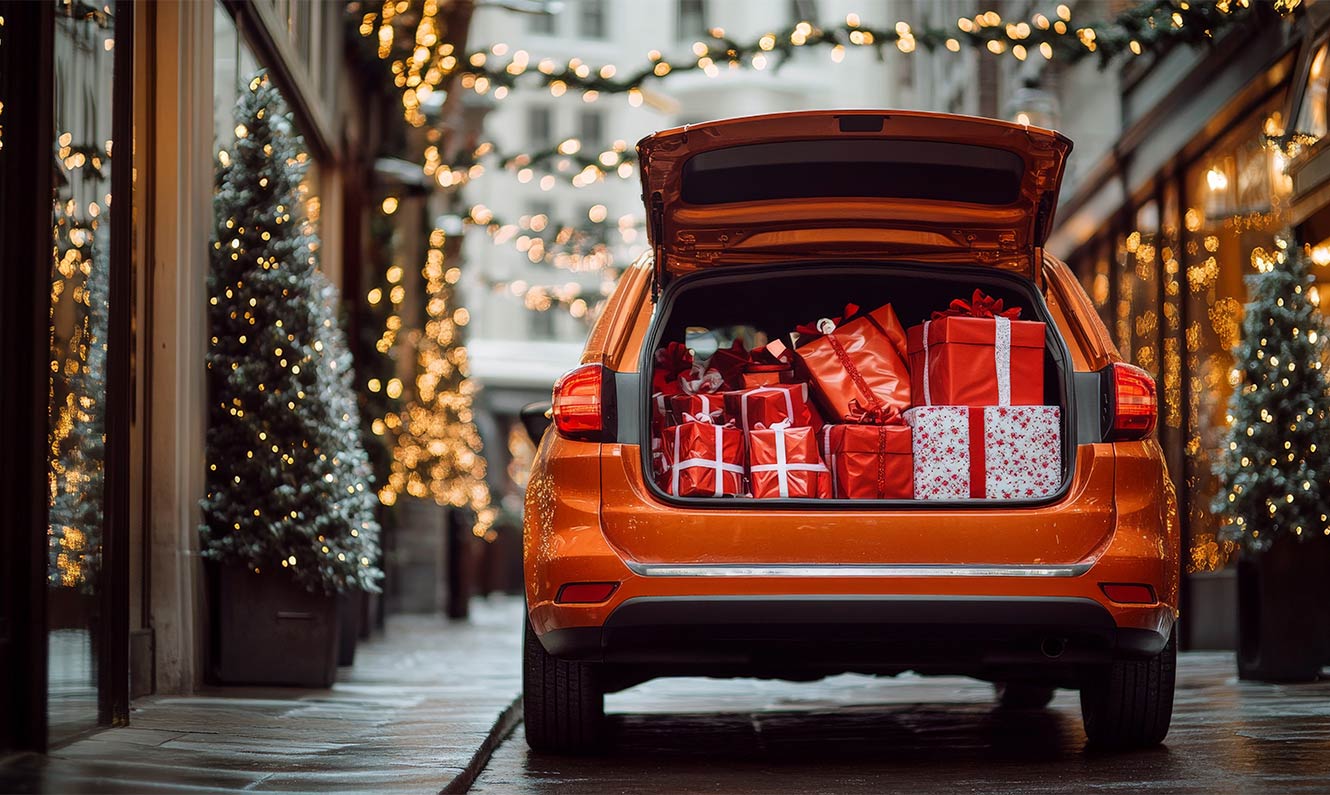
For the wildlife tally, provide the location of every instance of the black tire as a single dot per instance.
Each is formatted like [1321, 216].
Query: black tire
[563, 704]
[1129, 703]
[1021, 695]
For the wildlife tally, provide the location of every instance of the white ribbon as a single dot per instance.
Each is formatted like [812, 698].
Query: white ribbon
[719, 465]
[782, 467]
[928, 368]
[827, 457]
[1002, 358]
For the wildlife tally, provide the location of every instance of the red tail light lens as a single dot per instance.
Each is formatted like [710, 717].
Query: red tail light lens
[1129, 593]
[1131, 406]
[580, 408]
[585, 593]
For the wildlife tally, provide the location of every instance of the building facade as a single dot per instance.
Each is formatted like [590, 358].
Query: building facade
[114, 117]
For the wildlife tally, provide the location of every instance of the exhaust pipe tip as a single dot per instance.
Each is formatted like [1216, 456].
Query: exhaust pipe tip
[1053, 647]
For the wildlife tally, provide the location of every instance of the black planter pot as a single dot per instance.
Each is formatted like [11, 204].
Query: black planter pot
[1283, 628]
[270, 631]
[350, 613]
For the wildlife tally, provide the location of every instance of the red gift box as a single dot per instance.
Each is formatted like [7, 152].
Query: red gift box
[988, 452]
[783, 462]
[858, 366]
[672, 361]
[870, 462]
[769, 405]
[703, 403]
[767, 374]
[977, 354]
[704, 459]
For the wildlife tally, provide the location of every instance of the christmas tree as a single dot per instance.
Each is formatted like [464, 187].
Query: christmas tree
[288, 482]
[437, 449]
[1276, 468]
[77, 434]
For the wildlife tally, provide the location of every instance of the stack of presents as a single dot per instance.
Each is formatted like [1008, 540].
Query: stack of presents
[856, 408]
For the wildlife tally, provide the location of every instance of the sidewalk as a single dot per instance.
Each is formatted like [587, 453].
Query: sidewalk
[408, 717]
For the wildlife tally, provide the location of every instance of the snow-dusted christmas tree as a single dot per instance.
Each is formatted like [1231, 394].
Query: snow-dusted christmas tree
[1276, 469]
[288, 480]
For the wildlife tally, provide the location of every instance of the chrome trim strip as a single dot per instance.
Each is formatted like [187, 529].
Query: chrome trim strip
[841, 570]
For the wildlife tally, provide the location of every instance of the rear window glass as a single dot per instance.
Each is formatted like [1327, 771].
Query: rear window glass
[854, 168]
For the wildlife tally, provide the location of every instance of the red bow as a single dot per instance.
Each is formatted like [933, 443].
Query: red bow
[980, 305]
[812, 330]
[672, 361]
[877, 414]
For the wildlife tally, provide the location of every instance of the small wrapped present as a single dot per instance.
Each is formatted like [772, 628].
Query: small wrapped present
[769, 405]
[708, 403]
[986, 452]
[783, 461]
[977, 354]
[772, 363]
[870, 462]
[703, 459]
[857, 365]
[730, 363]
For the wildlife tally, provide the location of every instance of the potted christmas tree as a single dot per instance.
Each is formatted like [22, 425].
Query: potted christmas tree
[1275, 499]
[289, 510]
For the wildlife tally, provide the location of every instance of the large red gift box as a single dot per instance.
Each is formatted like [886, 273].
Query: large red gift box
[977, 354]
[771, 404]
[869, 462]
[986, 452]
[858, 366]
[704, 459]
[783, 461]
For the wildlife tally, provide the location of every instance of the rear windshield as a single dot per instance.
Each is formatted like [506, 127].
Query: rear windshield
[856, 168]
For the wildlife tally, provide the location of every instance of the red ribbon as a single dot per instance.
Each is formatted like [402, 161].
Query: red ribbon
[979, 305]
[881, 462]
[811, 329]
[978, 462]
[875, 407]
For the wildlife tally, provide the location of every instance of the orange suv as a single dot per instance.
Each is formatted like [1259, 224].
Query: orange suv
[758, 223]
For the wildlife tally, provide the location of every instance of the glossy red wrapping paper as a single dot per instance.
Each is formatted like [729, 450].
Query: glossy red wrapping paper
[784, 462]
[870, 462]
[859, 368]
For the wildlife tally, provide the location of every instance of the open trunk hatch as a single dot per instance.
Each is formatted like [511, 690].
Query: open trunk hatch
[861, 184]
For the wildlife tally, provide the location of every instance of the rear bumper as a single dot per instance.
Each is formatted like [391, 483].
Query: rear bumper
[780, 635]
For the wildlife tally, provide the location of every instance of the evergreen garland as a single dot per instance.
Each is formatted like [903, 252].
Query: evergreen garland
[1275, 472]
[288, 481]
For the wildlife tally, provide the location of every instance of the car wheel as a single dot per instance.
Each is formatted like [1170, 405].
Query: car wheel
[1020, 695]
[1129, 703]
[563, 704]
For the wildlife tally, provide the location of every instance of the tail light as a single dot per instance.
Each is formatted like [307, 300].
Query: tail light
[583, 405]
[1131, 407]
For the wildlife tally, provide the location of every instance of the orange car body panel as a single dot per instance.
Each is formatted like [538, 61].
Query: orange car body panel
[590, 518]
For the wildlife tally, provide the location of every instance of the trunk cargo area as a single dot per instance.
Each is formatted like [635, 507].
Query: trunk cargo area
[708, 311]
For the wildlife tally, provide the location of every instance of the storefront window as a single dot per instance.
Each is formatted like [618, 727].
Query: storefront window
[83, 60]
[1312, 118]
[1236, 203]
[1137, 327]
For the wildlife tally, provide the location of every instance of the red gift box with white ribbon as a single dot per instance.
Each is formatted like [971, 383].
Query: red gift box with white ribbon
[783, 462]
[869, 462]
[704, 459]
[986, 452]
[977, 353]
[771, 404]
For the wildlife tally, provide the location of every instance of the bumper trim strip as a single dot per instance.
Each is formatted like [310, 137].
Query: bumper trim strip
[846, 570]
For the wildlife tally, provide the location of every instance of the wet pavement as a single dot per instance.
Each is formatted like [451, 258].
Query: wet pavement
[910, 734]
[408, 717]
